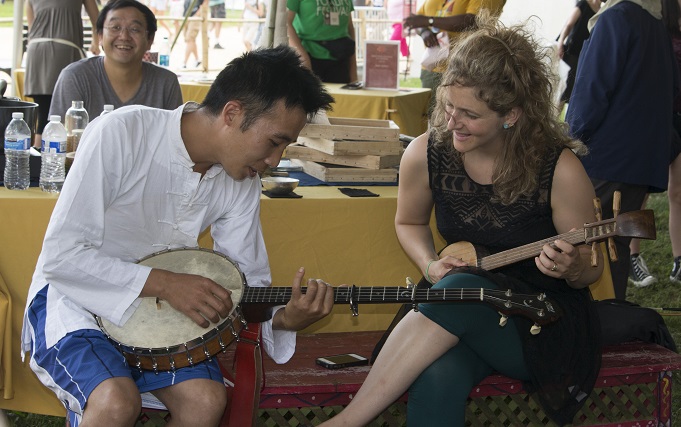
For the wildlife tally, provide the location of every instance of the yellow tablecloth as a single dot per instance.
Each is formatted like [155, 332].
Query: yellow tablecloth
[408, 108]
[23, 219]
[335, 237]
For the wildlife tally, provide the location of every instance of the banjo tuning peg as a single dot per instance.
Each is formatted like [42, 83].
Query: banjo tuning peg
[503, 320]
[535, 329]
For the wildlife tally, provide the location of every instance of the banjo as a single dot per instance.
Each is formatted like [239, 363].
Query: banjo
[157, 337]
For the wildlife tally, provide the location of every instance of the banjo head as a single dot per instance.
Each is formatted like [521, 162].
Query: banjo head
[158, 327]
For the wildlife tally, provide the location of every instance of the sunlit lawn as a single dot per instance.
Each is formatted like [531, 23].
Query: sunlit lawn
[7, 11]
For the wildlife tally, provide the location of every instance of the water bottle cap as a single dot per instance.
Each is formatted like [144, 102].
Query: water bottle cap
[18, 115]
[55, 118]
[108, 107]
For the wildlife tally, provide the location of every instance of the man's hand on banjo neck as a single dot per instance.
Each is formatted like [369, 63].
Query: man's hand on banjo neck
[305, 308]
[197, 297]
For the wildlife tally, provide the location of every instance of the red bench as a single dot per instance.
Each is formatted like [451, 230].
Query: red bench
[633, 388]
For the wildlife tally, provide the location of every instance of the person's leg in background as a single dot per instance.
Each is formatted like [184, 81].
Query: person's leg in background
[176, 11]
[159, 7]
[217, 11]
[639, 275]
[191, 32]
[674, 197]
[249, 31]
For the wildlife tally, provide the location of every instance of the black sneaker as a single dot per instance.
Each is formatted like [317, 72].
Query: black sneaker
[675, 275]
[639, 274]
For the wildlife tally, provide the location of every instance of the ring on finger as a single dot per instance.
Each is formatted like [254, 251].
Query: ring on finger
[555, 267]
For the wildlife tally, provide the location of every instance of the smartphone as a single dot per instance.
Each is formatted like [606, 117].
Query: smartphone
[352, 86]
[342, 361]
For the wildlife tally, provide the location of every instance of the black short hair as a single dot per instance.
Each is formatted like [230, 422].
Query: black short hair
[260, 78]
[120, 4]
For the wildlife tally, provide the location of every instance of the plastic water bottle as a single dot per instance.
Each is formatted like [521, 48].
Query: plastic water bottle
[75, 121]
[52, 172]
[107, 109]
[17, 143]
[164, 53]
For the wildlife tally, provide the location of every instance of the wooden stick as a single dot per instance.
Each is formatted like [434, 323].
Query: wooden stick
[616, 206]
[616, 203]
[594, 245]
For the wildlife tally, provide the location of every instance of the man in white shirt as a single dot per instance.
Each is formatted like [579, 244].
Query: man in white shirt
[146, 180]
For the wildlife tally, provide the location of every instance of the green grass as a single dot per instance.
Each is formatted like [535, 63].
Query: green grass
[21, 419]
[410, 81]
[7, 11]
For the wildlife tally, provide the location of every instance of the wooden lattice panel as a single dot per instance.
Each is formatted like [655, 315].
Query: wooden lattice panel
[609, 405]
[153, 419]
[395, 415]
[634, 389]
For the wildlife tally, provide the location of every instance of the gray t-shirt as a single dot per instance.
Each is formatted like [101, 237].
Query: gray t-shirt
[86, 81]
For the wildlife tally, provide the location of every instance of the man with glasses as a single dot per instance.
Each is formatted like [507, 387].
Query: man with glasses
[126, 30]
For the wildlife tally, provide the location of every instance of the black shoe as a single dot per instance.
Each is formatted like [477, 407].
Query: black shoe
[217, 46]
[675, 275]
[639, 274]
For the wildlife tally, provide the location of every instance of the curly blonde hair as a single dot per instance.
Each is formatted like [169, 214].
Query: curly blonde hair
[508, 68]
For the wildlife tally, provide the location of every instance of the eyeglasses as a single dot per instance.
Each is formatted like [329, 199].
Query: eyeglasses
[134, 31]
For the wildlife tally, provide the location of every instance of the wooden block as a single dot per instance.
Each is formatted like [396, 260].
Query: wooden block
[328, 173]
[351, 147]
[358, 161]
[353, 129]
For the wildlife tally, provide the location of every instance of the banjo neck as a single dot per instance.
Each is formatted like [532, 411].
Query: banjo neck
[276, 295]
[538, 307]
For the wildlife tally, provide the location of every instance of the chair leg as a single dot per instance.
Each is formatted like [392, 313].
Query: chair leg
[248, 376]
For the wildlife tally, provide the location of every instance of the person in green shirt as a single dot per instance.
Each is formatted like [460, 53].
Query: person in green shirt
[323, 35]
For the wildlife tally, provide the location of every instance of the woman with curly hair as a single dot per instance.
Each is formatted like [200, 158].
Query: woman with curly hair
[500, 172]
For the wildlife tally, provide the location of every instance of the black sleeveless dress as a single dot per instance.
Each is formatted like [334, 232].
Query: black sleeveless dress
[564, 358]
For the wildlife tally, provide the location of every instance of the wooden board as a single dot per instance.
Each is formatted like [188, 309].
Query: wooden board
[352, 147]
[328, 173]
[359, 161]
[353, 129]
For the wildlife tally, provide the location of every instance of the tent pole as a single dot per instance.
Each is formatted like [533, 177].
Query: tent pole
[17, 51]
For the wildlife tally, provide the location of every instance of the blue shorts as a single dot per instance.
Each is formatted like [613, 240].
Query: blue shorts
[81, 360]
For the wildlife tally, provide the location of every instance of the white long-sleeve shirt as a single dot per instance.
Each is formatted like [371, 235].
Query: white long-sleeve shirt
[131, 192]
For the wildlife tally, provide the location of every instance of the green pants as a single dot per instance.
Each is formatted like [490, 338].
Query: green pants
[438, 396]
